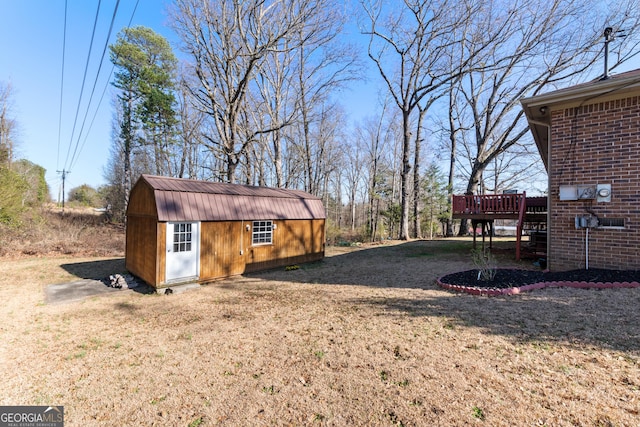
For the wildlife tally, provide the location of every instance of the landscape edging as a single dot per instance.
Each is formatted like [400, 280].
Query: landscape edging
[474, 290]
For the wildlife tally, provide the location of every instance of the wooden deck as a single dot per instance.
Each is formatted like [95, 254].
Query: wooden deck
[484, 209]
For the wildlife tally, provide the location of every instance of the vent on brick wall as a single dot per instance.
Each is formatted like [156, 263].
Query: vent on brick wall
[612, 222]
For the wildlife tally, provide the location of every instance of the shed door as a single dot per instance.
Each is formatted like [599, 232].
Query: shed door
[183, 250]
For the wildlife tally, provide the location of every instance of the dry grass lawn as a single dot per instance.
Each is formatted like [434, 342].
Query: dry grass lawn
[361, 338]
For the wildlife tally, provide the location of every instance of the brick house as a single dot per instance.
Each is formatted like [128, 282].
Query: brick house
[589, 138]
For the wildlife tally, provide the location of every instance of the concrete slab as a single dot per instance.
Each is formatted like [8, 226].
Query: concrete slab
[84, 288]
[87, 288]
[177, 289]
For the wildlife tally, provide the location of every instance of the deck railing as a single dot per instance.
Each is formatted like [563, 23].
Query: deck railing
[482, 208]
[536, 204]
[488, 204]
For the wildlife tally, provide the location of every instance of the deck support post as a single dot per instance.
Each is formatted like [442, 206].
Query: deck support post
[484, 209]
[486, 227]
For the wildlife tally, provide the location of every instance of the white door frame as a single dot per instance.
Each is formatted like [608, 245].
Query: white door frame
[182, 260]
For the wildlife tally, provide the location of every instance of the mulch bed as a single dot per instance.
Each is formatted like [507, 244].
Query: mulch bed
[513, 281]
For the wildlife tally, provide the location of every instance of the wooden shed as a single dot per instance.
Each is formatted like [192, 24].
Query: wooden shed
[183, 230]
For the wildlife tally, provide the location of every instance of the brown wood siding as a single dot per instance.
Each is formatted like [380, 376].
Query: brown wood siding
[294, 241]
[220, 246]
[142, 200]
[141, 248]
[161, 252]
[226, 249]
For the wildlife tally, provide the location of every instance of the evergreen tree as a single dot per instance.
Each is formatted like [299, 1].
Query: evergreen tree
[435, 198]
[146, 68]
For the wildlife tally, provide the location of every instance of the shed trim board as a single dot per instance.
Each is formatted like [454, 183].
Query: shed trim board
[223, 216]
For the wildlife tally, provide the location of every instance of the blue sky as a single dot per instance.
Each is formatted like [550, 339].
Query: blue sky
[31, 42]
[31, 46]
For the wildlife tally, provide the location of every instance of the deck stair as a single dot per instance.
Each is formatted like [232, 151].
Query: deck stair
[530, 213]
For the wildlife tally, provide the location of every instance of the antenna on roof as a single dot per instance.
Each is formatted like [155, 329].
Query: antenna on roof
[609, 36]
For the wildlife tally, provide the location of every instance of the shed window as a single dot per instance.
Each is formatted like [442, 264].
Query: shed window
[262, 232]
[182, 237]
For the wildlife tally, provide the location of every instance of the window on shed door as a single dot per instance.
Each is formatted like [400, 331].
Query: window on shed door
[262, 232]
[182, 237]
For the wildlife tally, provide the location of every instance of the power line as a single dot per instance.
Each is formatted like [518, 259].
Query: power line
[95, 82]
[133, 13]
[104, 91]
[64, 44]
[78, 147]
[86, 68]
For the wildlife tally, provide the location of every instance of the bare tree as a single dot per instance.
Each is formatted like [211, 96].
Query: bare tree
[544, 44]
[324, 64]
[376, 137]
[355, 160]
[189, 135]
[409, 43]
[229, 42]
[8, 126]
[419, 139]
[453, 129]
[320, 153]
[275, 86]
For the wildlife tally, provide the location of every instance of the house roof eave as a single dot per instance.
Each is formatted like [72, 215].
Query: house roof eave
[539, 122]
[537, 108]
[585, 91]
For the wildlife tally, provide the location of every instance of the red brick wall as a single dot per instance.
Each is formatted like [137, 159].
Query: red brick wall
[597, 143]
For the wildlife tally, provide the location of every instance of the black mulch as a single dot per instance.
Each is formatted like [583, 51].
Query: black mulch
[511, 278]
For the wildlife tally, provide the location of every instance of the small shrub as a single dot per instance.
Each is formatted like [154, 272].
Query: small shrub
[486, 264]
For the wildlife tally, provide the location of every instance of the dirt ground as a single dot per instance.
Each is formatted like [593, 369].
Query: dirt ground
[362, 338]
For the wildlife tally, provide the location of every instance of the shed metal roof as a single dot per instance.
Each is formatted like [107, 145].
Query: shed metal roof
[192, 200]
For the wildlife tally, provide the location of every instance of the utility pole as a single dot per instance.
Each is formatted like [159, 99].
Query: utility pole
[64, 177]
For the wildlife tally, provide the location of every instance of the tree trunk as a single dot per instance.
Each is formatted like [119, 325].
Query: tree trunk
[472, 188]
[232, 164]
[277, 158]
[416, 176]
[404, 178]
[452, 165]
[352, 202]
[127, 136]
